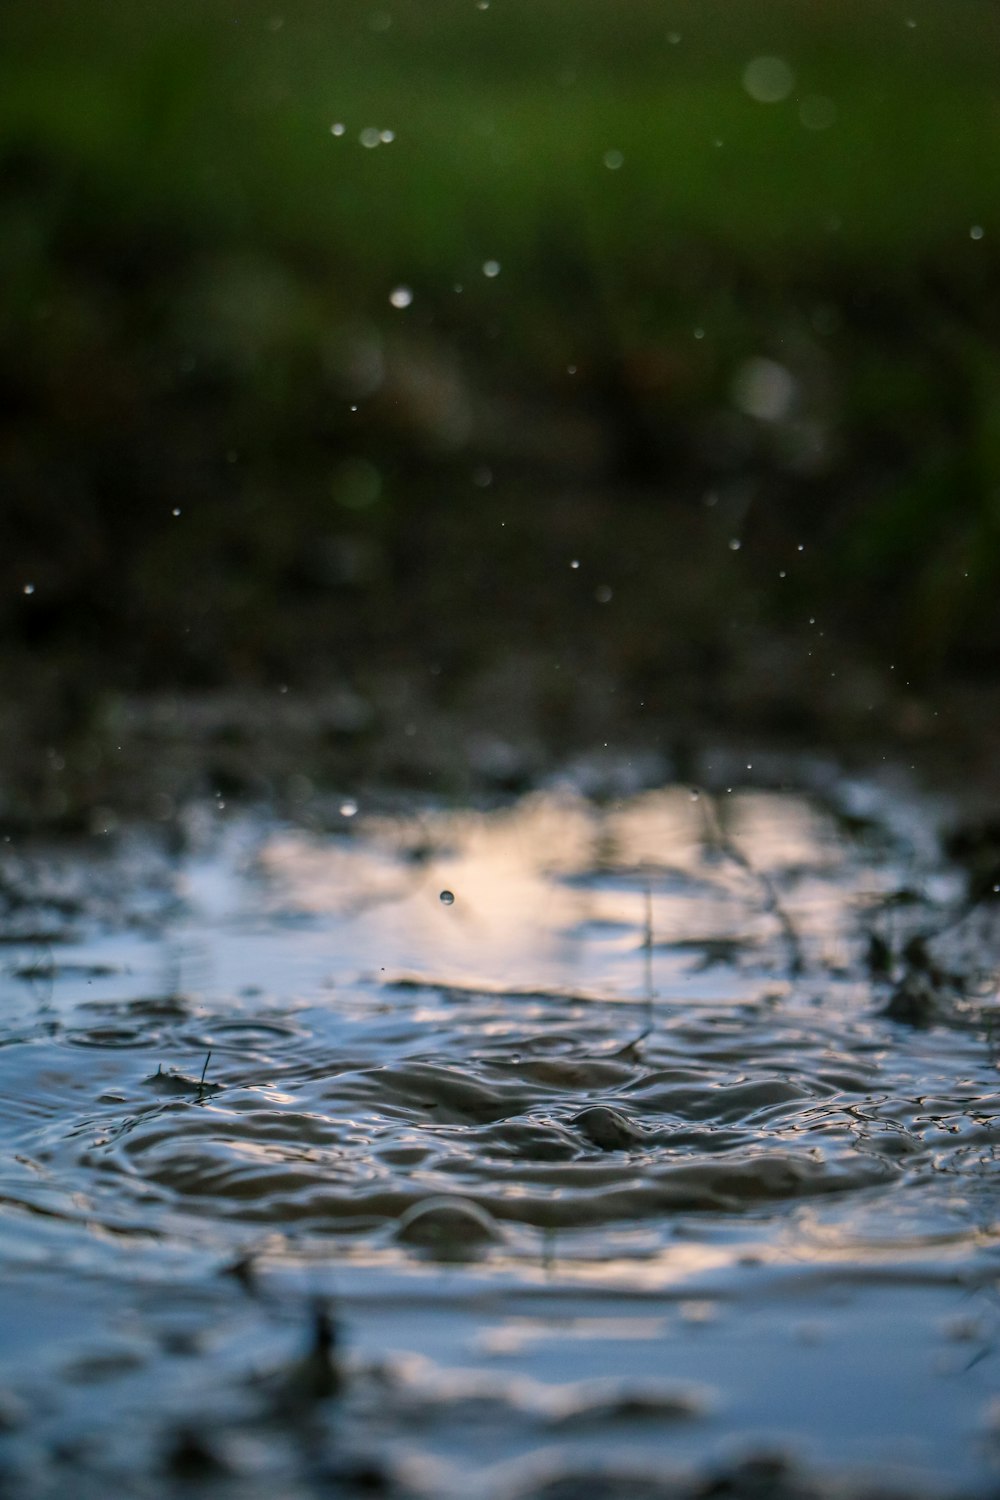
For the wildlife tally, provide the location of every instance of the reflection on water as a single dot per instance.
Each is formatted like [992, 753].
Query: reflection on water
[612, 1160]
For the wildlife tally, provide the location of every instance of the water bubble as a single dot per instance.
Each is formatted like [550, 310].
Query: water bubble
[768, 79]
[29, 588]
[338, 128]
[348, 808]
[817, 112]
[401, 296]
[370, 137]
[976, 232]
[447, 898]
[491, 268]
[613, 160]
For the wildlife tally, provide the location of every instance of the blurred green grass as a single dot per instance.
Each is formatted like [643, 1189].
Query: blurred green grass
[194, 293]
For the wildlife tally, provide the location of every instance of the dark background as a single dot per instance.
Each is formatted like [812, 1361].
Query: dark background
[737, 358]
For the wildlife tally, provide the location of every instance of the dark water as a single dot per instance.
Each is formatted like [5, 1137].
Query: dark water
[614, 1166]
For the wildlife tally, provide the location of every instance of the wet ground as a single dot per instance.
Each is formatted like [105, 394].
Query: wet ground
[659, 1160]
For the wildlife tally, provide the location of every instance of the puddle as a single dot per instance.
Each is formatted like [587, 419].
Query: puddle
[612, 1166]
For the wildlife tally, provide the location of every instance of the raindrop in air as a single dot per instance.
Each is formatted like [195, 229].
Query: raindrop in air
[348, 808]
[768, 79]
[817, 112]
[337, 129]
[575, 563]
[176, 511]
[613, 160]
[370, 137]
[976, 232]
[491, 268]
[29, 588]
[735, 544]
[401, 296]
[387, 137]
[447, 898]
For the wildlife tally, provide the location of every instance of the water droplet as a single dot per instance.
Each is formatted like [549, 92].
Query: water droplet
[800, 547]
[571, 369]
[370, 137]
[575, 563]
[613, 160]
[817, 112]
[764, 389]
[673, 37]
[482, 477]
[694, 795]
[491, 268]
[387, 137]
[337, 128]
[699, 333]
[482, 4]
[29, 588]
[401, 296]
[348, 808]
[782, 573]
[604, 594]
[447, 898]
[176, 511]
[976, 232]
[768, 79]
[735, 544]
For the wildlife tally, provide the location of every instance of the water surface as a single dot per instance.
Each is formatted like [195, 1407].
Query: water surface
[615, 1164]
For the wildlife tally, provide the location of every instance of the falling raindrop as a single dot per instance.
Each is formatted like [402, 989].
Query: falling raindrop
[176, 511]
[604, 593]
[768, 79]
[387, 137]
[447, 898]
[401, 296]
[694, 795]
[817, 112]
[348, 808]
[613, 160]
[575, 563]
[29, 588]
[370, 137]
[735, 544]
[337, 128]
[976, 232]
[491, 268]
